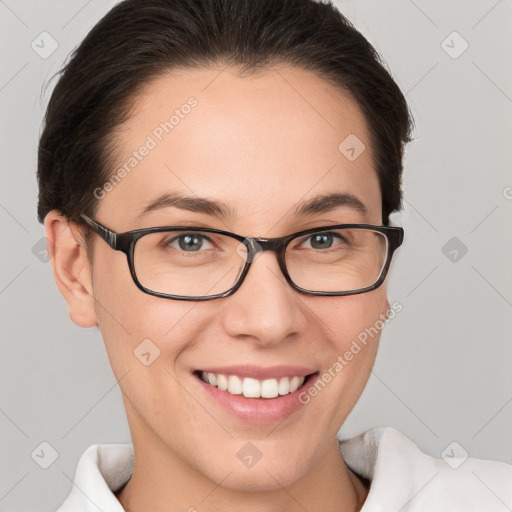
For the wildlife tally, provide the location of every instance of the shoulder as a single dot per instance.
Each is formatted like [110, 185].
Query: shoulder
[405, 478]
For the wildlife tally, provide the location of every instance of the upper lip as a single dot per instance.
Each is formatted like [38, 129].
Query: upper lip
[260, 372]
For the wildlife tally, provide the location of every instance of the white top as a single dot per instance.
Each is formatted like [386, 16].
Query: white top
[402, 477]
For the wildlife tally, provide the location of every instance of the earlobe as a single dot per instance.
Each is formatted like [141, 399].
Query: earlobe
[71, 268]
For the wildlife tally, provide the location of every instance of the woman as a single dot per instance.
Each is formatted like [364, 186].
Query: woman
[216, 179]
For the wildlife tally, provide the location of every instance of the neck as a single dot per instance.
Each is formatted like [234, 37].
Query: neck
[162, 481]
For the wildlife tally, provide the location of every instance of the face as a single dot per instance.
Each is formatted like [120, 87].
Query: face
[262, 144]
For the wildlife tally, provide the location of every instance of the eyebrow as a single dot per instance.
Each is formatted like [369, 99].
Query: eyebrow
[327, 202]
[189, 203]
[318, 204]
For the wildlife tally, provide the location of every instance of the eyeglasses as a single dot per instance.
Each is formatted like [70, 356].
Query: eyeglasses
[189, 263]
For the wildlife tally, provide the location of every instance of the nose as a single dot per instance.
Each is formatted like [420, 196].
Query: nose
[265, 308]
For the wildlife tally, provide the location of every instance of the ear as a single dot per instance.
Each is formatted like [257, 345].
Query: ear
[71, 268]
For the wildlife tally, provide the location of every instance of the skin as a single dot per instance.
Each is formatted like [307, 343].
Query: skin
[262, 146]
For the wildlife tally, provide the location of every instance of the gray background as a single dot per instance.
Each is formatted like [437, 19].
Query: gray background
[443, 368]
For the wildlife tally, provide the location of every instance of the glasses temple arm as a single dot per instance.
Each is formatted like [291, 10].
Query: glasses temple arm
[109, 236]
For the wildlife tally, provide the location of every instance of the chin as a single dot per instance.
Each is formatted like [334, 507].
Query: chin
[265, 478]
[269, 470]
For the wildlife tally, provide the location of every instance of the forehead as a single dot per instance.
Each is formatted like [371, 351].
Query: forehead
[261, 143]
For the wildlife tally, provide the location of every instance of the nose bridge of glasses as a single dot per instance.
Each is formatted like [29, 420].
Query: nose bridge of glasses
[257, 245]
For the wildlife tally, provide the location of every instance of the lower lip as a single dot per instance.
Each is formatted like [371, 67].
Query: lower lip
[257, 410]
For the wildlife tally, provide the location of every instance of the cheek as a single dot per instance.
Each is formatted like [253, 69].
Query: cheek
[144, 338]
[352, 317]
[133, 323]
[353, 326]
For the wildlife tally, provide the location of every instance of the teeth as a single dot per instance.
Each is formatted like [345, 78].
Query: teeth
[269, 388]
[284, 386]
[253, 388]
[295, 383]
[234, 385]
[222, 382]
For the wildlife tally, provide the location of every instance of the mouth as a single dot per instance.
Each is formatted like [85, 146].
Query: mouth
[250, 387]
[255, 394]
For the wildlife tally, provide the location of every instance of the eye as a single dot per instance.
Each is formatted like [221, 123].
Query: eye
[189, 242]
[324, 240]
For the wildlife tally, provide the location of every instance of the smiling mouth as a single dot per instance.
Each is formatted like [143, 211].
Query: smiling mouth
[254, 388]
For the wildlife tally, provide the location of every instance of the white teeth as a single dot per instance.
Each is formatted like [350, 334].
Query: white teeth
[284, 386]
[222, 382]
[253, 388]
[269, 388]
[234, 385]
[295, 383]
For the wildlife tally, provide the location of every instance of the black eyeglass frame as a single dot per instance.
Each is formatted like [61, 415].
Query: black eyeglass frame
[125, 242]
